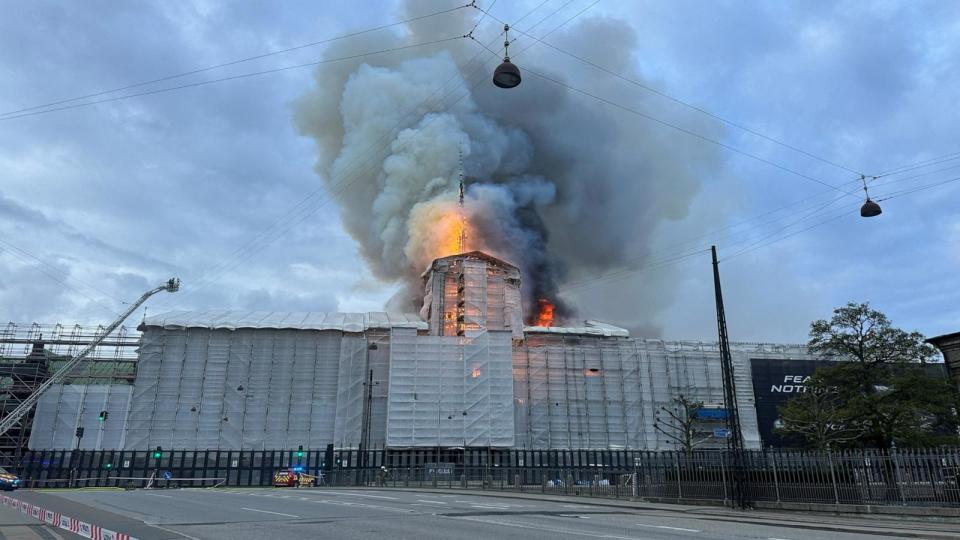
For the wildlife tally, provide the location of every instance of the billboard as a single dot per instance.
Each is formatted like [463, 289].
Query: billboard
[774, 382]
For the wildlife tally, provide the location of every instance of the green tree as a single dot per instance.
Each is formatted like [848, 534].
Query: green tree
[818, 417]
[880, 391]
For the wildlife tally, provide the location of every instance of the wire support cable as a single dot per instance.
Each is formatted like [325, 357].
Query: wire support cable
[683, 103]
[232, 62]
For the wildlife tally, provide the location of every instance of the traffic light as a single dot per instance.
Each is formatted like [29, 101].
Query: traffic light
[108, 465]
[158, 453]
[103, 416]
[300, 451]
[80, 432]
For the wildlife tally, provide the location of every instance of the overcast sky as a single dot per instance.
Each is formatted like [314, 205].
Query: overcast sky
[99, 203]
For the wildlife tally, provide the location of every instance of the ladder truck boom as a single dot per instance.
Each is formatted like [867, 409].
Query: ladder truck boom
[172, 285]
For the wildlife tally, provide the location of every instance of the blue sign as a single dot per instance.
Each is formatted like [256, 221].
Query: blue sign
[721, 433]
[167, 475]
[711, 414]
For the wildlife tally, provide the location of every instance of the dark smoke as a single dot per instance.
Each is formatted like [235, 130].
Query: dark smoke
[560, 185]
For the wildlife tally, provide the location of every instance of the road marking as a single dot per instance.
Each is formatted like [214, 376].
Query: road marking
[371, 496]
[158, 495]
[269, 512]
[573, 516]
[187, 536]
[666, 527]
[431, 502]
[773, 538]
[548, 529]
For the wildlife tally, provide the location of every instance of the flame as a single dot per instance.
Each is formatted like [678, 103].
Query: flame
[545, 317]
[451, 227]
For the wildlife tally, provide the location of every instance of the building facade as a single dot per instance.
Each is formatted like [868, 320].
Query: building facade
[462, 373]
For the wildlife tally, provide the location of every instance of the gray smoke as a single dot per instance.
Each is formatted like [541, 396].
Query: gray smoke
[558, 184]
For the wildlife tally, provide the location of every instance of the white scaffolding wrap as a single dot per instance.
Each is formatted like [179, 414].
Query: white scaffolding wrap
[450, 391]
[64, 408]
[233, 389]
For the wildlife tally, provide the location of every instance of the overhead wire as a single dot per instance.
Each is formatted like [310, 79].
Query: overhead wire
[232, 78]
[235, 62]
[683, 103]
[347, 180]
[43, 268]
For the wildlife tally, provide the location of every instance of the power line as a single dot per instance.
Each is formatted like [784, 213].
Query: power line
[690, 132]
[684, 103]
[264, 239]
[231, 78]
[235, 62]
[43, 269]
[920, 164]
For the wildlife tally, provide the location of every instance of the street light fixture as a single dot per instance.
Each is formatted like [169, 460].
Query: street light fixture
[869, 208]
[507, 74]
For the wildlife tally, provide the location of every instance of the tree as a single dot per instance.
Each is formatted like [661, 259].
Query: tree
[881, 390]
[679, 423]
[817, 416]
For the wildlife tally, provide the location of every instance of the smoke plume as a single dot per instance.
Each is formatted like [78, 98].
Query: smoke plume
[560, 185]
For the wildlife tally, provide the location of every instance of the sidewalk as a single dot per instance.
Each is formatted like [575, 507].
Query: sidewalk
[939, 528]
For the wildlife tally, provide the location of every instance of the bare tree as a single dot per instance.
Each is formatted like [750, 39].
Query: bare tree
[678, 422]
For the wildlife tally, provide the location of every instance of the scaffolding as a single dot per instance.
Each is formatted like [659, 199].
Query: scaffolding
[30, 354]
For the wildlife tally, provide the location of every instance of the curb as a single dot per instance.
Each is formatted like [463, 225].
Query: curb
[84, 529]
[724, 516]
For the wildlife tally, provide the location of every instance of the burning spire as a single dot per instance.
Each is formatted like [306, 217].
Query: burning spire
[462, 240]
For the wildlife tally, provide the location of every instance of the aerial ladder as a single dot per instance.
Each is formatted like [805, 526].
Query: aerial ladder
[172, 285]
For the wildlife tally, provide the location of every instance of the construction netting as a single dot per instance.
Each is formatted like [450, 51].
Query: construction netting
[583, 392]
[232, 389]
[450, 391]
[64, 408]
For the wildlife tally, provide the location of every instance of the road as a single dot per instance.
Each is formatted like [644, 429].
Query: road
[258, 513]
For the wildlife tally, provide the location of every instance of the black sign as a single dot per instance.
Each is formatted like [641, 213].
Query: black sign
[775, 381]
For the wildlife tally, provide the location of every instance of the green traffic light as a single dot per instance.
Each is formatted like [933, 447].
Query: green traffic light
[156, 455]
[108, 465]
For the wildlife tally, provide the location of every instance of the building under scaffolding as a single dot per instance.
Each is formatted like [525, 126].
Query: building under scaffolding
[30, 354]
[462, 373]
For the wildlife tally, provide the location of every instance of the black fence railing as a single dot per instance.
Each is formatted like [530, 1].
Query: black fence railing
[897, 478]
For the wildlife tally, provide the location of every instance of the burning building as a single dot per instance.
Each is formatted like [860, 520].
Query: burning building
[463, 372]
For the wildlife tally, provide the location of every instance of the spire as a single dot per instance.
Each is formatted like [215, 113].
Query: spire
[462, 241]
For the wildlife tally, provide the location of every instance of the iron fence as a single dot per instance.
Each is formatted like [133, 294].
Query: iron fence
[893, 478]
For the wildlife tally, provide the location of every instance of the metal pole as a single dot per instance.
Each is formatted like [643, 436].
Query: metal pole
[735, 439]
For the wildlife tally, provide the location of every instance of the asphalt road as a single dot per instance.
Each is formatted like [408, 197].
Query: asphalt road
[255, 513]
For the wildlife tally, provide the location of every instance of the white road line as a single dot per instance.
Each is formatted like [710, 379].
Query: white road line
[158, 495]
[431, 502]
[371, 496]
[666, 527]
[187, 536]
[547, 529]
[774, 538]
[269, 512]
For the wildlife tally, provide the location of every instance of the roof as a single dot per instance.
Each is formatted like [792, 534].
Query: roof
[944, 339]
[589, 328]
[470, 255]
[303, 320]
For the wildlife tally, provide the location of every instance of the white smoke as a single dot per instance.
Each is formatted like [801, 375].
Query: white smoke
[541, 163]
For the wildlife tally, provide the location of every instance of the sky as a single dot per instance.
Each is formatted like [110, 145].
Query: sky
[219, 185]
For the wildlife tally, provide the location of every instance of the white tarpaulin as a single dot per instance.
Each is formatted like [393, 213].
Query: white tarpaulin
[450, 391]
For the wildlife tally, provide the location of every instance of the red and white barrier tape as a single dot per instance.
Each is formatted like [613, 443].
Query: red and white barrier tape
[84, 529]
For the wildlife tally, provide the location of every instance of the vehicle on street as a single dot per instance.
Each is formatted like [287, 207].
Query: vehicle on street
[8, 481]
[293, 478]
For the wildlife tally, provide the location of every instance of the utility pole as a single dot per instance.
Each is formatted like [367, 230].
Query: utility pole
[735, 436]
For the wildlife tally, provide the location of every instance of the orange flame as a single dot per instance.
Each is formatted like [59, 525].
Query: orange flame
[545, 317]
[450, 228]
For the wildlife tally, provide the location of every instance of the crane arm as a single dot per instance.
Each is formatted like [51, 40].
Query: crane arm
[172, 285]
